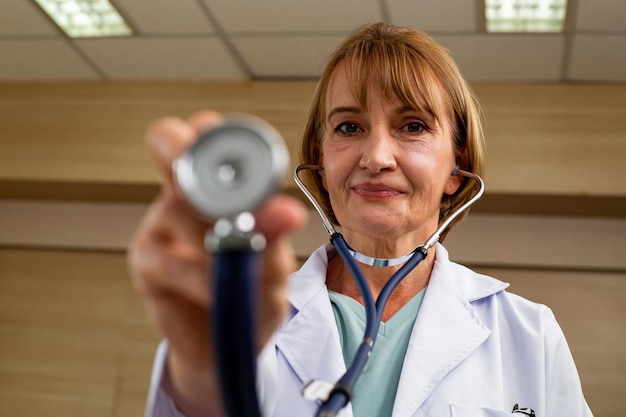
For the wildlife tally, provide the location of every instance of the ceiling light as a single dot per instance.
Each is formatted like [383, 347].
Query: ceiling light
[525, 15]
[86, 18]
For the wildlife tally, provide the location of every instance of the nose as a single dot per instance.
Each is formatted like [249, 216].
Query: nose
[378, 152]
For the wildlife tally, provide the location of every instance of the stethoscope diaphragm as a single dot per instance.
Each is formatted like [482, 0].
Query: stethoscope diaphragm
[233, 167]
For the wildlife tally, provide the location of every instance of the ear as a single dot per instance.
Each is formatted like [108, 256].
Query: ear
[455, 181]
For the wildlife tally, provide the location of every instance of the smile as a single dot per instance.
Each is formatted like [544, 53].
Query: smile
[376, 191]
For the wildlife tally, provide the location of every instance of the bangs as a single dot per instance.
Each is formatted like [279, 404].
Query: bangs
[399, 71]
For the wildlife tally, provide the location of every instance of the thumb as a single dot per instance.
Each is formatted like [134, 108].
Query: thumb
[281, 215]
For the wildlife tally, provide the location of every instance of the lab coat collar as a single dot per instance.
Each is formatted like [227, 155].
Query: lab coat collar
[310, 278]
[445, 333]
[309, 340]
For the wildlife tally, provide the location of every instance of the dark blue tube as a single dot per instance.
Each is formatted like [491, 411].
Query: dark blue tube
[235, 274]
[368, 301]
[342, 394]
[396, 278]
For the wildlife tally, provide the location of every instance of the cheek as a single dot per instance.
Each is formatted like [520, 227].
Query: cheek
[330, 177]
[431, 169]
[334, 179]
[332, 164]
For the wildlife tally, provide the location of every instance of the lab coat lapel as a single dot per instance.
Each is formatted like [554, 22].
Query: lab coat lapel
[445, 333]
[309, 341]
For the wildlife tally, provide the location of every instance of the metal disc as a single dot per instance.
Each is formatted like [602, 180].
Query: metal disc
[232, 168]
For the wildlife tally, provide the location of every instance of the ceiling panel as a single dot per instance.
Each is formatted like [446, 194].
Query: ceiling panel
[293, 16]
[589, 62]
[288, 57]
[21, 18]
[601, 15]
[435, 15]
[507, 57]
[42, 59]
[157, 58]
[166, 16]
[276, 39]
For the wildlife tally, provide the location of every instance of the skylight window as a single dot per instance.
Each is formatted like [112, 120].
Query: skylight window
[525, 15]
[86, 18]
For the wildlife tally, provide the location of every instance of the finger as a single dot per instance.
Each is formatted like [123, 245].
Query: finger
[277, 219]
[169, 137]
[168, 252]
[205, 119]
[281, 215]
[279, 261]
[176, 268]
[171, 218]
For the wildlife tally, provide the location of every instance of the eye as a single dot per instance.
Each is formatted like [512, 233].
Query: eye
[414, 127]
[348, 128]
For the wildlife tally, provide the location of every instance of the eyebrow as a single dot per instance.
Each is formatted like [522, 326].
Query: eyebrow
[406, 109]
[423, 113]
[357, 110]
[343, 109]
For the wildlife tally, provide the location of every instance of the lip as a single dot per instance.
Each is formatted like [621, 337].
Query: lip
[376, 191]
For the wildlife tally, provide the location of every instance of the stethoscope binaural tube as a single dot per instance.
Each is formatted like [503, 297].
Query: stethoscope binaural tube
[333, 398]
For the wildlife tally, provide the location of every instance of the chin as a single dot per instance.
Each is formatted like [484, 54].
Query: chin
[374, 227]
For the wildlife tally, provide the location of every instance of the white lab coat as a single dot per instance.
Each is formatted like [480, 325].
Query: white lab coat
[475, 351]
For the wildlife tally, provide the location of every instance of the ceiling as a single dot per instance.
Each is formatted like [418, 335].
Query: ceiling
[289, 39]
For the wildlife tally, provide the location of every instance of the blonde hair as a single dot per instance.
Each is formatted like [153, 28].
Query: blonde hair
[398, 59]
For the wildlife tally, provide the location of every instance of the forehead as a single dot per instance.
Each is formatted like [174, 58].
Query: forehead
[361, 90]
[361, 87]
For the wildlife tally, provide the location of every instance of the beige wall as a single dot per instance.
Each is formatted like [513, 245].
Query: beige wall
[75, 179]
[547, 139]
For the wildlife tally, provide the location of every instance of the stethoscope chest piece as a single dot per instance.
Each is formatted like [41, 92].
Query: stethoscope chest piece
[232, 168]
[225, 175]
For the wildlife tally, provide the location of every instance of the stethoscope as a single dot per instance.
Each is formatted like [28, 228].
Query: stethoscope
[227, 173]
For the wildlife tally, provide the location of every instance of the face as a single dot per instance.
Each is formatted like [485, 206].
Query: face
[386, 168]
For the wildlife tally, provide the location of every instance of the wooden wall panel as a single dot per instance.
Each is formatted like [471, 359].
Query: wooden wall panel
[93, 132]
[556, 138]
[74, 340]
[543, 139]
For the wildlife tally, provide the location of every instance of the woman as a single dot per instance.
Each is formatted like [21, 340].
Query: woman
[390, 121]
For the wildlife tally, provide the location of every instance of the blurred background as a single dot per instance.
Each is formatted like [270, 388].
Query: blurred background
[75, 178]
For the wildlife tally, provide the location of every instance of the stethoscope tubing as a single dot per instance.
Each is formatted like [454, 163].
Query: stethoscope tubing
[342, 392]
[235, 273]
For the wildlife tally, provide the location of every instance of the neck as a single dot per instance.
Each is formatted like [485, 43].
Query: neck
[387, 247]
[339, 279]
[371, 261]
